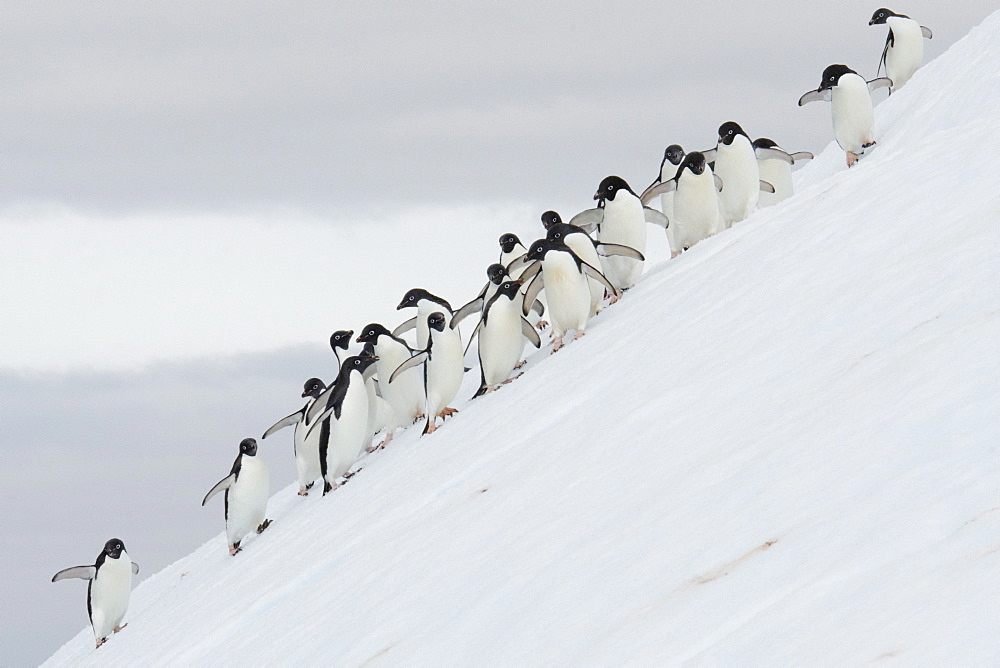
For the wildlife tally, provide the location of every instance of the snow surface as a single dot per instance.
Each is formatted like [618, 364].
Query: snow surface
[781, 447]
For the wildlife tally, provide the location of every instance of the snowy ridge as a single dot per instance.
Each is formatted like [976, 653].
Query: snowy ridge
[781, 446]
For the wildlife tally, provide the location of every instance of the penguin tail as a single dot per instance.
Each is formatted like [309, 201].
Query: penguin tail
[481, 391]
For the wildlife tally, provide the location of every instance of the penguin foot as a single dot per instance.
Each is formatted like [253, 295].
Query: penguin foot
[520, 364]
[614, 299]
[350, 474]
[327, 488]
[492, 388]
[234, 550]
[310, 485]
[430, 428]
[852, 158]
[674, 254]
[512, 378]
[447, 412]
[385, 441]
[418, 417]
[100, 641]
[263, 526]
[119, 628]
[542, 324]
[556, 345]
[868, 145]
[578, 335]
[302, 492]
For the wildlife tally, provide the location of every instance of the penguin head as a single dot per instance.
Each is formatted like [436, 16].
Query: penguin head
[371, 333]
[509, 289]
[543, 246]
[496, 272]
[832, 74]
[313, 388]
[509, 241]
[729, 131]
[341, 339]
[436, 321]
[369, 349]
[550, 218]
[674, 154]
[764, 142]
[882, 15]
[561, 231]
[248, 447]
[359, 362]
[609, 188]
[114, 548]
[417, 295]
[695, 161]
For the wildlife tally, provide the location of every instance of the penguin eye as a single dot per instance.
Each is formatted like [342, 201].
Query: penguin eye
[557, 235]
[610, 187]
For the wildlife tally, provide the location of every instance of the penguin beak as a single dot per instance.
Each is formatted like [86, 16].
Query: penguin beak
[304, 394]
[872, 22]
[597, 195]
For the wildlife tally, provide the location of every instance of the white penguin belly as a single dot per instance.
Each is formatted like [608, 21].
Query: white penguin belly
[584, 249]
[736, 165]
[903, 58]
[853, 116]
[501, 341]
[405, 394]
[444, 370]
[779, 174]
[109, 594]
[696, 209]
[306, 454]
[347, 434]
[247, 499]
[667, 206]
[569, 294]
[376, 409]
[624, 223]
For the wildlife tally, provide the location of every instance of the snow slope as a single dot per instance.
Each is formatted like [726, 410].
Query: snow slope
[783, 446]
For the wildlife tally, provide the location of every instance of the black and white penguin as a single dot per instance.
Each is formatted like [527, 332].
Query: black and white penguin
[346, 411]
[405, 396]
[673, 155]
[735, 161]
[379, 411]
[443, 362]
[511, 248]
[339, 340]
[776, 170]
[502, 331]
[496, 274]
[696, 201]
[904, 45]
[564, 277]
[550, 218]
[852, 111]
[246, 489]
[306, 450]
[425, 303]
[109, 588]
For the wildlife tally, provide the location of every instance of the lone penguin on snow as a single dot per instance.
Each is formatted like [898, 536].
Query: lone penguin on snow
[108, 590]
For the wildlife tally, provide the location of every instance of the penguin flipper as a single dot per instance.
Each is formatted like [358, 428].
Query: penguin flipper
[135, 568]
[320, 420]
[474, 333]
[538, 308]
[881, 82]
[926, 32]
[416, 360]
[816, 96]
[766, 187]
[225, 483]
[515, 264]
[589, 219]
[319, 406]
[287, 421]
[378, 388]
[530, 333]
[619, 249]
[536, 285]
[475, 306]
[710, 154]
[773, 154]
[718, 182]
[657, 189]
[530, 272]
[81, 572]
[802, 156]
[405, 326]
[597, 275]
[655, 217]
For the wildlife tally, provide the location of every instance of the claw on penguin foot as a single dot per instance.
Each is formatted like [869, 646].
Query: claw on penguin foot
[447, 412]
[327, 488]
[557, 343]
[512, 378]
[493, 388]
[851, 158]
[119, 628]
[542, 324]
[350, 474]
[263, 526]
[578, 335]
[431, 428]
[302, 492]
[234, 550]
[418, 417]
[520, 364]
[310, 485]
[100, 641]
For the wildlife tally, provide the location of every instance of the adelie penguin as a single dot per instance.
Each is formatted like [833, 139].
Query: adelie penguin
[405, 396]
[620, 218]
[496, 274]
[339, 340]
[673, 155]
[511, 248]
[564, 277]
[852, 111]
[425, 303]
[777, 171]
[502, 331]
[108, 589]
[443, 365]
[306, 450]
[346, 409]
[904, 45]
[696, 201]
[735, 161]
[246, 489]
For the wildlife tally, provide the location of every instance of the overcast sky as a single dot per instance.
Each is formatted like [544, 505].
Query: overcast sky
[141, 135]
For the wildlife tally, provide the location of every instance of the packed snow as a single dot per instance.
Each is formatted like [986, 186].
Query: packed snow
[780, 447]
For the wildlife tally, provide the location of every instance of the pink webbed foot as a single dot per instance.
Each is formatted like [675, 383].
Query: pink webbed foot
[557, 343]
[100, 641]
[119, 628]
[578, 335]
[234, 550]
[302, 492]
[542, 324]
[851, 158]
[447, 412]
[512, 378]
[520, 364]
